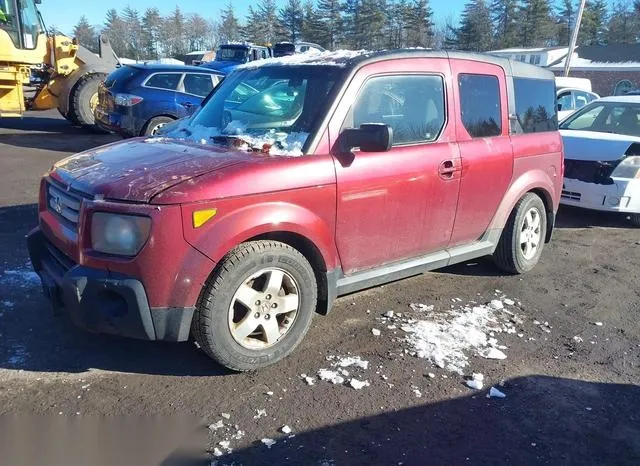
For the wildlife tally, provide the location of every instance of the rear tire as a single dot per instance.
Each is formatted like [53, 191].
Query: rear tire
[523, 237]
[635, 219]
[153, 125]
[279, 288]
[83, 98]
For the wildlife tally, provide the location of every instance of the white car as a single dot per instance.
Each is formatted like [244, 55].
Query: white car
[571, 99]
[602, 156]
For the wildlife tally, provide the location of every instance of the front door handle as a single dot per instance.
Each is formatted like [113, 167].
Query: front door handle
[448, 168]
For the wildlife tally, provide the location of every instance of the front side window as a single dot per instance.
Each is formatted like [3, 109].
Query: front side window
[617, 118]
[30, 24]
[9, 21]
[536, 105]
[583, 98]
[167, 81]
[198, 84]
[413, 106]
[480, 105]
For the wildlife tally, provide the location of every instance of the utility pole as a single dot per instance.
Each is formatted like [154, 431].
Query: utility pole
[574, 39]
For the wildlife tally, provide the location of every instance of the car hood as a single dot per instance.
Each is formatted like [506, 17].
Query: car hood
[139, 169]
[596, 146]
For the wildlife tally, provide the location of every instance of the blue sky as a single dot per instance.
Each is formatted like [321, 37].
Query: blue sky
[65, 13]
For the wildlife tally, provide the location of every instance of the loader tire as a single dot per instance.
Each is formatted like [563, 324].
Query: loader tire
[80, 101]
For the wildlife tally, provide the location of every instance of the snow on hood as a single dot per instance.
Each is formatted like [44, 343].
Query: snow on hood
[312, 57]
[271, 142]
[596, 146]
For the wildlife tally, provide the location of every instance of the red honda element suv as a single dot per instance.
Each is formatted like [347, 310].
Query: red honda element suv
[299, 180]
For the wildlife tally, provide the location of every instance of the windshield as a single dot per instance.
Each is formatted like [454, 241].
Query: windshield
[273, 109]
[606, 117]
[237, 54]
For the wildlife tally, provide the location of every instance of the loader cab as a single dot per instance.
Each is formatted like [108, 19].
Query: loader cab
[21, 21]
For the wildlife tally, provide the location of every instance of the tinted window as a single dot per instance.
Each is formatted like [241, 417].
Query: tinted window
[164, 81]
[121, 75]
[413, 106]
[480, 105]
[198, 84]
[536, 106]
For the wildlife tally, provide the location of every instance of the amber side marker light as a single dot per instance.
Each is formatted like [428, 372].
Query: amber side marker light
[200, 217]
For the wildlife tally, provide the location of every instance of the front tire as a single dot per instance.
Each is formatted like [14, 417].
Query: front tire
[257, 306]
[83, 99]
[522, 239]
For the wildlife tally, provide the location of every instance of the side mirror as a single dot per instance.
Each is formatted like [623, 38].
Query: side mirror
[370, 137]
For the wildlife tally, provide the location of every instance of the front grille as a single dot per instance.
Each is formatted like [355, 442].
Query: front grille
[570, 195]
[64, 204]
[590, 171]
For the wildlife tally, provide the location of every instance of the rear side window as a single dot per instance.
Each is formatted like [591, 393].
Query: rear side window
[536, 106]
[198, 84]
[168, 81]
[413, 106]
[480, 105]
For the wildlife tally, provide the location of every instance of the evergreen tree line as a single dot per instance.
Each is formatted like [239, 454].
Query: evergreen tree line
[498, 24]
[368, 24]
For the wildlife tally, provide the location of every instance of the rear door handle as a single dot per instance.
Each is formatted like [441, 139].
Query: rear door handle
[186, 104]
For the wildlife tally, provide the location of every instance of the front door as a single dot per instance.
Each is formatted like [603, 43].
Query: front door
[401, 203]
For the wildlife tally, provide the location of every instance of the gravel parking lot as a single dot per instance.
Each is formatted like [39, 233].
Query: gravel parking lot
[570, 331]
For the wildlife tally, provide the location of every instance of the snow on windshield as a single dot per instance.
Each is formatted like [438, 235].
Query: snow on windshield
[312, 57]
[270, 142]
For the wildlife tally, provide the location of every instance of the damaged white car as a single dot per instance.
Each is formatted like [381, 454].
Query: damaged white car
[602, 156]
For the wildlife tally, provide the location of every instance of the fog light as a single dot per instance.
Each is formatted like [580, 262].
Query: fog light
[613, 201]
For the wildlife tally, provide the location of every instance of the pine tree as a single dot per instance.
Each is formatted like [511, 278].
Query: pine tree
[85, 34]
[594, 19]
[151, 31]
[174, 33]
[504, 14]
[537, 29]
[398, 13]
[370, 25]
[475, 32]
[312, 26]
[329, 11]
[198, 32]
[133, 38]
[291, 18]
[350, 23]
[116, 30]
[229, 29]
[419, 24]
[621, 26]
[566, 21]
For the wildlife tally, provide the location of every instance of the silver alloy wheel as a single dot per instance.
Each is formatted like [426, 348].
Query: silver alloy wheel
[264, 308]
[156, 128]
[530, 234]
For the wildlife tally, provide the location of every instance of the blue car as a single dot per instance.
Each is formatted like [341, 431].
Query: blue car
[230, 56]
[138, 100]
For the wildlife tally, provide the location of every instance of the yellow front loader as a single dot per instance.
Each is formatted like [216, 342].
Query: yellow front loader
[54, 70]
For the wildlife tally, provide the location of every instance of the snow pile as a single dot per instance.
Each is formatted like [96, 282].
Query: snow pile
[447, 339]
[339, 374]
[271, 142]
[312, 57]
[349, 361]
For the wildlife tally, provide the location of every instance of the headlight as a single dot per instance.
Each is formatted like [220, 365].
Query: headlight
[122, 235]
[629, 168]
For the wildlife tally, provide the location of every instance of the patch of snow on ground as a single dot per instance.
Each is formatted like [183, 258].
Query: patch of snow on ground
[19, 277]
[330, 376]
[495, 393]
[268, 442]
[358, 384]
[448, 337]
[349, 361]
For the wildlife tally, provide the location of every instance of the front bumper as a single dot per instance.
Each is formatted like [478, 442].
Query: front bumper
[103, 301]
[621, 196]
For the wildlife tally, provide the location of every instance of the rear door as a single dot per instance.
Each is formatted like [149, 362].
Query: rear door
[485, 148]
[195, 87]
[401, 203]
